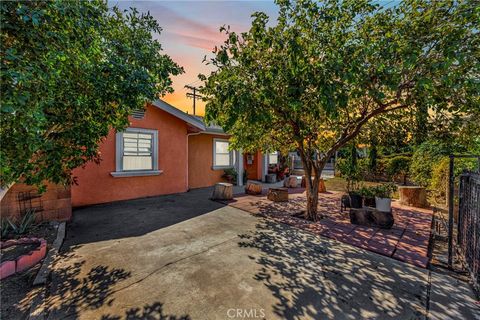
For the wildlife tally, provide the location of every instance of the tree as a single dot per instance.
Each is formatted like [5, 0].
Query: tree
[70, 72]
[315, 78]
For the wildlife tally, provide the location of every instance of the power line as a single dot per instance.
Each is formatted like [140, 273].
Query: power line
[194, 95]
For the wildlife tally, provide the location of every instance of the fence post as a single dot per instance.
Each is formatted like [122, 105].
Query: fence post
[450, 212]
[461, 202]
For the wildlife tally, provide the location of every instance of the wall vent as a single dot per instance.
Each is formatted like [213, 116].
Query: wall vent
[138, 114]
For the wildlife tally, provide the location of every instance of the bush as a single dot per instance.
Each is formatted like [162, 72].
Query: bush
[398, 166]
[439, 181]
[440, 174]
[363, 168]
[423, 160]
[357, 172]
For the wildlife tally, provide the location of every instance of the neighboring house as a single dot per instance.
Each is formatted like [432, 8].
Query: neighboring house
[163, 151]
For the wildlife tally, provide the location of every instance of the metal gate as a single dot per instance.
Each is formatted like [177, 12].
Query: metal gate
[468, 236]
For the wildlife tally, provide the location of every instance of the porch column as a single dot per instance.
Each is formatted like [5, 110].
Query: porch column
[240, 167]
[264, 166]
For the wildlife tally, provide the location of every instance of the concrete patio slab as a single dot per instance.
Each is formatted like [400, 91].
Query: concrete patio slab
[217, 262]
[451, 299]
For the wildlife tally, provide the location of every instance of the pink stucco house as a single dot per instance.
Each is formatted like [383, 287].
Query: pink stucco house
[163, 151]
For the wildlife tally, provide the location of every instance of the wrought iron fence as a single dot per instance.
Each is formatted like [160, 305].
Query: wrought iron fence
[468, 236]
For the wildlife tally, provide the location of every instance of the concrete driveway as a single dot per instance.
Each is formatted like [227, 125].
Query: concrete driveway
[186, 257]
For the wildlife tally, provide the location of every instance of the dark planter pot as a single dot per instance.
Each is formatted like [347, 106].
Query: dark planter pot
[355, 200]
[229, 178]
[369, 202]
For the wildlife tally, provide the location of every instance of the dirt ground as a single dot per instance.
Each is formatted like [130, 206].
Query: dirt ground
[16, 291]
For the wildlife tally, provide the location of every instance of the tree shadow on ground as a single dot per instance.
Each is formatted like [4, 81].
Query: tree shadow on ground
[328, 206]
[73, 288]
[76, 289]
[312, 277]
[148, 312]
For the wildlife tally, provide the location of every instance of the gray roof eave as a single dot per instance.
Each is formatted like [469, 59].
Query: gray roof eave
[179, 114]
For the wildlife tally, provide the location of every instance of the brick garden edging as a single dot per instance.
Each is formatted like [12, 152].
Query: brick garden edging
[24, 262]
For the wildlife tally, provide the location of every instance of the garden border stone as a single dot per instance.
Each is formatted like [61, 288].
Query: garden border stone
[25, 261]
[37, 307]
[44, 271]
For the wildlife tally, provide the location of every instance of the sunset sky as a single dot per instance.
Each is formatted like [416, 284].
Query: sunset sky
[191, 30]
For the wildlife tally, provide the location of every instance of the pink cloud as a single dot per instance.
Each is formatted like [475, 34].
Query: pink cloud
[199, 42]
[185, 30]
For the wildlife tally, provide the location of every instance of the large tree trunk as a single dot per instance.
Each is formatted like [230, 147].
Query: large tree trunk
[312, 203]
[310, 167]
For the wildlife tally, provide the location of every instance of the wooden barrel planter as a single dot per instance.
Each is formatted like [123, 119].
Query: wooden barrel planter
[222, 191]
[277, 194]
[290, 182]
[413, 196]
[253, 188]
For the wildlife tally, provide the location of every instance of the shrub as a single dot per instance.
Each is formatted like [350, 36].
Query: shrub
[379, 173]
[423, 159]
[341, 165]
[363, 168]
[439, 181]
[440, 173]
[398, 166]
[372, 158]
[357, 172]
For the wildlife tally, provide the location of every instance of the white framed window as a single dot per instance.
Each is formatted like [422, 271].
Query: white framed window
[222, 157]
[273, 158]
[136, 153]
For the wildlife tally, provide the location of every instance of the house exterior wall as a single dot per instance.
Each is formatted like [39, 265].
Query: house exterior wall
[200, 161]
[97, 185]
[53, 204]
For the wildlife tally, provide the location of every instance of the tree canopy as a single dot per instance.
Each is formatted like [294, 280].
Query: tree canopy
[70, 72]
[313, 79]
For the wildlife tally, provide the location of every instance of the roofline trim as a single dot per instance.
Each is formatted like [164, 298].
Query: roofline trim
[162, 105]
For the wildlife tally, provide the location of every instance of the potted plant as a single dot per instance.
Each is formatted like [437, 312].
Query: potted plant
[230, 175]
[368, 195]
[356, 199]
[383, 196]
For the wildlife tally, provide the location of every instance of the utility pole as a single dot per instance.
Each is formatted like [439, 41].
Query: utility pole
[193, 95]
